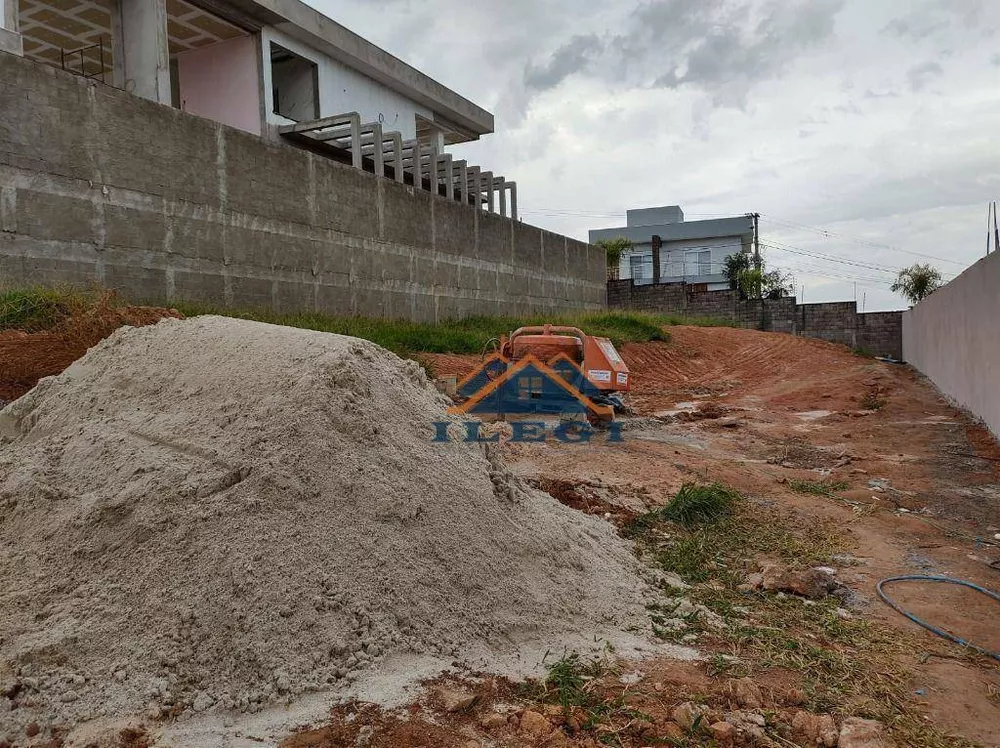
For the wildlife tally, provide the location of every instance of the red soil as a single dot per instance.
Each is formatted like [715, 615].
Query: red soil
[26, 357]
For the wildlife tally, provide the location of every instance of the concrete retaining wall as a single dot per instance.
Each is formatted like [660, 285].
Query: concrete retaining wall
[879, 333]
[953, 337]
[101, 187]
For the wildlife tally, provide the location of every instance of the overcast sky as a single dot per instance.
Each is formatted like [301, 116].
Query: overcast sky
[874, 120]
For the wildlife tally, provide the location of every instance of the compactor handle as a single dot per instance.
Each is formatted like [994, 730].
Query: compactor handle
[548, 330]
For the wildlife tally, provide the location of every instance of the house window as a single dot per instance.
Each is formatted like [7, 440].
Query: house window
[641, 268]
[705, 263]
[294, 85]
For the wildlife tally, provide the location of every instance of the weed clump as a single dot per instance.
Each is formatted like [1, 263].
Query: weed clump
[817, 488]
[568, 677]
[575, 683]
[34, 309]
[874, 398]
[696, 504]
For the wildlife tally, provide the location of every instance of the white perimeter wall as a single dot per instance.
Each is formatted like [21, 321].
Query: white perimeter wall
[953, 337]
[342, 89]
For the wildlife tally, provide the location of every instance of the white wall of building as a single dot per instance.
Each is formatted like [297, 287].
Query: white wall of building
[637, 264]
[696, 257]
[342, 89]
[688, 259]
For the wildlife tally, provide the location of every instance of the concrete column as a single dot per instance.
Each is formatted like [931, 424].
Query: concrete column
[397, 155]
[10, 38]
[141, 46]
[443, 165]
[490, 192]
[436, 139]
[501, 187]
[461, 176]
[474, 187]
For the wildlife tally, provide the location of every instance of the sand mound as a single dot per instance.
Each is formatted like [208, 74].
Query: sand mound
[218, 514]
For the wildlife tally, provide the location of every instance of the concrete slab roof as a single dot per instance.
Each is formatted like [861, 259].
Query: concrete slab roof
[311, 27]
[741, 226]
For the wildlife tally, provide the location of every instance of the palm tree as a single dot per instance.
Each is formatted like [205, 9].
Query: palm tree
[917, 282]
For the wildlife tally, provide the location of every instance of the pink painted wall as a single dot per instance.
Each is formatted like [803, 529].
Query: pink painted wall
[222, 83]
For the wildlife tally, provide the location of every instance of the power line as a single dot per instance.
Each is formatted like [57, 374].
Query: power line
[792, 249]
[867, 242]
[782, 247]
[832, 275]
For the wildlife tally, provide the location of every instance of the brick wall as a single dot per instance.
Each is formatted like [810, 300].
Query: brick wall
[834, 321]
[879, 333]
[101, 187]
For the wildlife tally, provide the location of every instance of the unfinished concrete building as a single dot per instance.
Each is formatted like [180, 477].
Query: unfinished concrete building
[276, 68]
[254, 154]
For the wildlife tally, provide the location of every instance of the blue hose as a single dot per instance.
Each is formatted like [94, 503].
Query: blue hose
[934, 629]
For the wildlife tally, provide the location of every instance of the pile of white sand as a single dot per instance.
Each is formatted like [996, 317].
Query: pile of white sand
[216, 514]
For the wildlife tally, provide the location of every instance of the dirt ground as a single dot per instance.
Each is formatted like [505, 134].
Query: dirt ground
[922, 492]
[914, 488]
[27, 356]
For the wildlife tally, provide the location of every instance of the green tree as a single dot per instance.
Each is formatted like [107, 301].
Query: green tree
[776, 285]
[733, 266]
[613, 250]
[917, 282]
[754, 282]
[750, 283]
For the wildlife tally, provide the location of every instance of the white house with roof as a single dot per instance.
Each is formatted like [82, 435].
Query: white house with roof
[691, 252]
[275, 68]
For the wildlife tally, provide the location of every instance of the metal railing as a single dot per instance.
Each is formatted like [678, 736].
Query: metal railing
[641, 272]
[81, 53]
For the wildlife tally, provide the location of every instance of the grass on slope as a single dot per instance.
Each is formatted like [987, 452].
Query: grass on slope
[33, 309]
[468, 335]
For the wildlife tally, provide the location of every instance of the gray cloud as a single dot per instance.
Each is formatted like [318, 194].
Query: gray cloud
[870, 94]
[732, 54]
[920, 75]
[914, 27]
[995, 60]
[929, 19]
[573, 57]
[717, 45]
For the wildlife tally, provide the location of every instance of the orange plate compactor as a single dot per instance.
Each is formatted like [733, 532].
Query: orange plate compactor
[548, 369]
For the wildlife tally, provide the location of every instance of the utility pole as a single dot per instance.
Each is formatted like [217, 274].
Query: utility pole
[996, 231]
[988, 207]
[756, 238]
